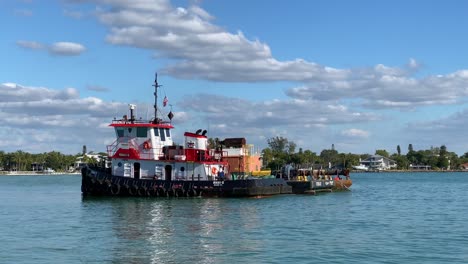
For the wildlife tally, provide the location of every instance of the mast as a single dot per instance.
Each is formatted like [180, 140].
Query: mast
[156, 85]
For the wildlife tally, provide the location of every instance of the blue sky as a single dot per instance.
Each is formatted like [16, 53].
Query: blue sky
[362, 75]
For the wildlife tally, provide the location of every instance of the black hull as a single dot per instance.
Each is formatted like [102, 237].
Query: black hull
[96, 182]
[315, 186]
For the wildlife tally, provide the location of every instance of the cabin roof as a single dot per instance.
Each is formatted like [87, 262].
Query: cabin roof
[141, 125]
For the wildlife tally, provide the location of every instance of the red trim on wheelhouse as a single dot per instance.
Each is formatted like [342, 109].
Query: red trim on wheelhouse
[141, 125]
[189, 134]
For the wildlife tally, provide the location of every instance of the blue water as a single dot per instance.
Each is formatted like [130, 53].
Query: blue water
[386, 218]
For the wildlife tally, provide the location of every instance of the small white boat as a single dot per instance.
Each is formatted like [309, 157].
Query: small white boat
[48, 171]
[361, 167]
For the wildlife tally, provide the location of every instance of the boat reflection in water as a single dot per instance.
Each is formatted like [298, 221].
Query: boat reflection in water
[180, 230]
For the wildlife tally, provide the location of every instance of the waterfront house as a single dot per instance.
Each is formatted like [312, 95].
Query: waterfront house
[80, 161]
[378, 162]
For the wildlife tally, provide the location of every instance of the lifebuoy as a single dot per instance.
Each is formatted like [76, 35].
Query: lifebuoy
[214, 170]
[146, 145]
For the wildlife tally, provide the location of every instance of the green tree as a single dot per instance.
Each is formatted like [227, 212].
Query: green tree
[213, 142]
[281, 144]
[443, 161]
[411, 155]
[281, 152]
[54, 160]
[2, 160]
[329, 156]
[398, 150]
[454, 160]
[401, 161]
[267, 157]
[310, 157]
[352, 160]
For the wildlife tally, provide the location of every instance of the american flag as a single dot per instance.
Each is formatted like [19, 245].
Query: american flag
[165, 101]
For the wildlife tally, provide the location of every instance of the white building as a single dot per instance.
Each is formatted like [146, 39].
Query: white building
[377, 162]
[80, 161]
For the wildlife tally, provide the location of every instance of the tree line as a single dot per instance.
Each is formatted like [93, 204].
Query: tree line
[281, 151]
[24, 161]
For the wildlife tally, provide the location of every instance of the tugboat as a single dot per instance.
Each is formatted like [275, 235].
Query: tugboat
[145, 161]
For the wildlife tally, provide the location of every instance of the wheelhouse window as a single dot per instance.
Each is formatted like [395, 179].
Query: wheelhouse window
[163, 136]
[120, 132]
[156, 132]
[168, 132]
[142, 132]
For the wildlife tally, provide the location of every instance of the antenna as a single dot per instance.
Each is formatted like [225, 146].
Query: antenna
[156, 85]
[132, 116]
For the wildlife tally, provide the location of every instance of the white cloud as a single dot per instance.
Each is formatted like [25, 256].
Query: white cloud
[303, 121]
[447, 131]
[200, 49]
[30, 44]
[382, 87]
[197, 48]
[58, 48]
[66, 48]
[11, 93]
[355, 132]
[43, 119]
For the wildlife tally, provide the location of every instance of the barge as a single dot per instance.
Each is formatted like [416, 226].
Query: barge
[314, 181]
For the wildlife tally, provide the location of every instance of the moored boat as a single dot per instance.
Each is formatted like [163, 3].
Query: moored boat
[310, 181]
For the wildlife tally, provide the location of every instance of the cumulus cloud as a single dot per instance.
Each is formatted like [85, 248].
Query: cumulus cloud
[200, 49]
[66, 48]
[450, 129]
[11, 93]
[57, 48]
[231, 116]
[390, 89]
[197, 48]
[355, 133]
[42, 118]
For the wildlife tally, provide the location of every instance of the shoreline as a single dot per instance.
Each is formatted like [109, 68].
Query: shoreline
[405, 171]
[34, 173]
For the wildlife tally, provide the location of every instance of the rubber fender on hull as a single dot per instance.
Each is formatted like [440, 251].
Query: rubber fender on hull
[142, 191]
[115, 189]
[133, 190]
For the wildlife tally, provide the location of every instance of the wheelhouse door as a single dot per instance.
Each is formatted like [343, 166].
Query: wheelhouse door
[136, 170]
[168, 172]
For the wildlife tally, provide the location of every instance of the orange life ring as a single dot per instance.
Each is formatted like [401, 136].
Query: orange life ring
[214, 170]
[146, 145]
